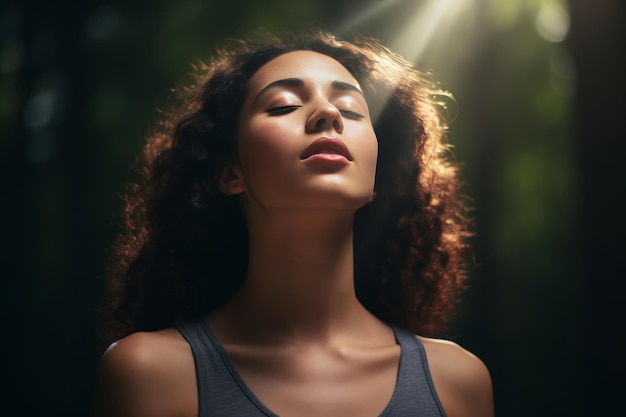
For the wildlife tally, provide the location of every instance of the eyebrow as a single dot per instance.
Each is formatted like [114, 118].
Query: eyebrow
[343, 86]
[297, 82]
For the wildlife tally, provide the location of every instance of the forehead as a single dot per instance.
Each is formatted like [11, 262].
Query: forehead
[306, 65]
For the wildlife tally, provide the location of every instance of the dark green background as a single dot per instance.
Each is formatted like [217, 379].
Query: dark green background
[538, 128]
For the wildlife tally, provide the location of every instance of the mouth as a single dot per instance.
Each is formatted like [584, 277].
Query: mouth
[327, 146]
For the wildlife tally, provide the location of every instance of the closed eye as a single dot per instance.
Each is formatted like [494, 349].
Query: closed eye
[282, 110]
[351, 114]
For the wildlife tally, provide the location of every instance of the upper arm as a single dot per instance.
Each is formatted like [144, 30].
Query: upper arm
[461, 379]
[134, 379]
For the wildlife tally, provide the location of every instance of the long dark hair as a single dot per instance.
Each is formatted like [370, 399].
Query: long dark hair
[183, 250]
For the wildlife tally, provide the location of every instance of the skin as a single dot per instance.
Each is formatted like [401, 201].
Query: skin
[296, 332]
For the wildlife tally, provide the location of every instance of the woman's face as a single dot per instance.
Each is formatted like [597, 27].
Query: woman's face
[306, 140]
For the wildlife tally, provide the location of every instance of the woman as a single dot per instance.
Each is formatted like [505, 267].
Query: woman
[297, 226]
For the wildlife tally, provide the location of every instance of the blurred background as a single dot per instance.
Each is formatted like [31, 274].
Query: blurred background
[539, 88]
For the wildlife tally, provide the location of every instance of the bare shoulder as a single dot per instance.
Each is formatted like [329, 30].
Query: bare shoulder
[461, 379]
[146, 374]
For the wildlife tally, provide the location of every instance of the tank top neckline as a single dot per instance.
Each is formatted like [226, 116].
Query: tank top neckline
[265, 409]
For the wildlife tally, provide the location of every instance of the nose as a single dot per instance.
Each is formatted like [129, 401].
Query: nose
[325, 117]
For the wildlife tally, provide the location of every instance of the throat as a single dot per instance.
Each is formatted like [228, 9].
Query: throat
[300, 280]
[296, 312]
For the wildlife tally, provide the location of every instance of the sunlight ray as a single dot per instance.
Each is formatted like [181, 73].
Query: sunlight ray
[433, 20]
[368, 14]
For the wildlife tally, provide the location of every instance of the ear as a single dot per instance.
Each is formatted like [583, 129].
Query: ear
[230, 180]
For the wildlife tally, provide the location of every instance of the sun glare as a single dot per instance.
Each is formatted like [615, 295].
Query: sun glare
[433, 19]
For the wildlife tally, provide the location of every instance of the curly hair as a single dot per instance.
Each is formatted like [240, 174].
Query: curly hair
[183, 250]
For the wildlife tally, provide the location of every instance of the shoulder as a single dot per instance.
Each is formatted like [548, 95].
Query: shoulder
[146, 374]
[461, 379]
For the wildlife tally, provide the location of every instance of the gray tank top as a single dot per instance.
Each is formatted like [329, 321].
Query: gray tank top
[222, 391]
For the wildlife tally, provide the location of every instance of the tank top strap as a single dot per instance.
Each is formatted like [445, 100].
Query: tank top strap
[221, 392]
[415, 389]
[203, 355]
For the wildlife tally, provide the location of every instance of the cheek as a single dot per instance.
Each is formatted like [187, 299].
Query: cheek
[265, 144]
[370, 150]
[269, 155]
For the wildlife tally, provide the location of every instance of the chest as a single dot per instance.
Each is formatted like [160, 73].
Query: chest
[314, 382]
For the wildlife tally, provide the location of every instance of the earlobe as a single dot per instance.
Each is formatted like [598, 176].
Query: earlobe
[230, 180]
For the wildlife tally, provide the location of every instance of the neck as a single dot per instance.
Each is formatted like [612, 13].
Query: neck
[300, 282]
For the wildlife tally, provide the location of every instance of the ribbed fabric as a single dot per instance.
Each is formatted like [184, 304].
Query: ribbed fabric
[223, 393]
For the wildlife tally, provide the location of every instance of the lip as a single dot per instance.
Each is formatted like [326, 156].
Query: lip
[327, 146]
